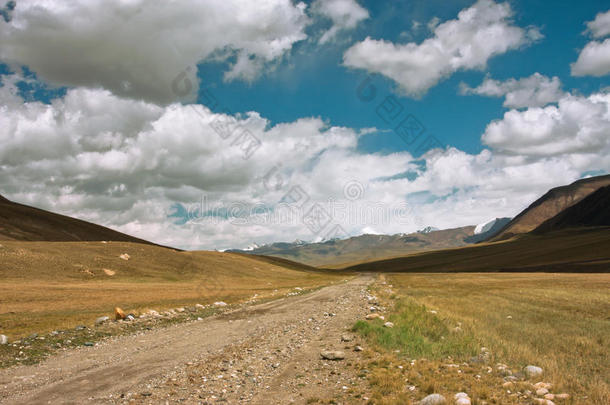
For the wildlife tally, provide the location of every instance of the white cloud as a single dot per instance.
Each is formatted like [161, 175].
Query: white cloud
[534, 91]
[593, 60]
[344, 14]
[577, 126]
[137, 48]
[600, 26]
[468, 42]
[124, 163]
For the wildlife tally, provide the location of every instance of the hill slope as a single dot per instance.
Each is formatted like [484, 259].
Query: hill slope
[61, 284]
[365, 247]
[549, 205]
[25, 223]
[574, 250]
[592, 211]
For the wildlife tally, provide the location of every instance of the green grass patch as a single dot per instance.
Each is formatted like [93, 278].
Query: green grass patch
[418, 333]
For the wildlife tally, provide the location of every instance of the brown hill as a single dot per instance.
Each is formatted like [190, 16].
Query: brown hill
[338, 253]
[573, 250]
[24, 223]
[549, 205]
[592, 211]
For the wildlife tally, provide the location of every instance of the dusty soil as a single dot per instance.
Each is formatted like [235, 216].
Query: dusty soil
[263, 354]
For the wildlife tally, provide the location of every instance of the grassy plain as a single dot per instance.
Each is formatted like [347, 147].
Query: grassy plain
[559, 322]
[56, 285]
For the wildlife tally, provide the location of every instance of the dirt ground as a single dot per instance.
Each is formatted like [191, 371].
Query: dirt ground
[264, 354]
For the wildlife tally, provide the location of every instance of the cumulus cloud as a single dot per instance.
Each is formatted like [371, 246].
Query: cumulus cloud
[138, 48]
[172, 174]
[344, 14]
[468, 42]
[600, 26]
[578, 126]
[534, 91]
[593, 60]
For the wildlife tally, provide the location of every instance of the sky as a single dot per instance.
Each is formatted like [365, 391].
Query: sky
[222, 124]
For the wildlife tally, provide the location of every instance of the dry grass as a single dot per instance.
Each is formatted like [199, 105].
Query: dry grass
[57, 285]
[559, 322]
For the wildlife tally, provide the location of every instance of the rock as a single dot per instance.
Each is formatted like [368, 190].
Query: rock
[542, 385]
[373, 309]
[549, 396]
[109, 272]
[388, 325]
[125, 256]
[119, 314]
[220, 304]
[80, 327]
[89, 344]
[180, 310]
[358, 349]
[346, 338]
[533, 371]
[509, 317]
[461, 398]
[433, 399]
[130, 317]
[101, 320]
[332, 355]
[199, 306]
[372, 316]
[3, 340]
[542, 392]
[508, 385]
[457, 329]
[562, 396]
[503, 370]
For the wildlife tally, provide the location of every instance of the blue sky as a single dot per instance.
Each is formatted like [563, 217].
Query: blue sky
[514, 95]
[313, 82]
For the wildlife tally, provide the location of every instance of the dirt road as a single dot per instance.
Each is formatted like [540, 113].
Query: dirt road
[264, 354]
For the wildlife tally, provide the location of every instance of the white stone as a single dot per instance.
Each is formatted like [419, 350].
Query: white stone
[533, 371]
[433, 399]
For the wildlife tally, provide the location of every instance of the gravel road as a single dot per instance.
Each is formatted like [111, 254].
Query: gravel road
[263, 354]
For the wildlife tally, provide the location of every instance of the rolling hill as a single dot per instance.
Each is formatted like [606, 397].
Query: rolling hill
[549, 205]
[25, 223]
[573, 250]
[593, 211]
[364, 247]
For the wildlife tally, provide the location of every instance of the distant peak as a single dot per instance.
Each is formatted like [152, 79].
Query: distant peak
[427, 229]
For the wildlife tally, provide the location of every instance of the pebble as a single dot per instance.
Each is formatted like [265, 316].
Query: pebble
[388, 325]
[562, 396]
[101, 320]
[220, 304]
[461, 398]
[346, 338]
[533, 371]
[3, 340]
[125, 256]
[119, 314]
[332, 355]
[433, 399]
[542, 392]
[372, 316]
[358, 349]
